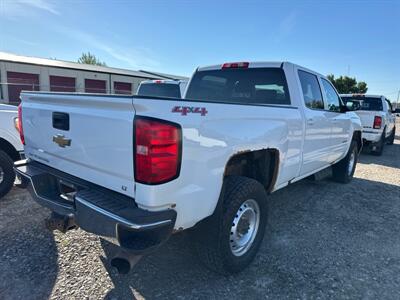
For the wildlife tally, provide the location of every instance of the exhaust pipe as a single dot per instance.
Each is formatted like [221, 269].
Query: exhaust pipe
[124, 261]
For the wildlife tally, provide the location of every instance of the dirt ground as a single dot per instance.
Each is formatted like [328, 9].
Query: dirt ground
[324, 240]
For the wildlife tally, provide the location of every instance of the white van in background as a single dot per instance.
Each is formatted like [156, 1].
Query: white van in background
[162, 88]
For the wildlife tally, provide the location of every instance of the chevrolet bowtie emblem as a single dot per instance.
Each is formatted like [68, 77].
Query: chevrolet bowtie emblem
[61, 140]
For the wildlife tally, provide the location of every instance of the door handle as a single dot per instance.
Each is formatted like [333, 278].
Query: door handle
[310, 121]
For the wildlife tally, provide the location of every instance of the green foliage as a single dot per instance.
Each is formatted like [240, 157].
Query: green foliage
[348, 85]
[90, 59]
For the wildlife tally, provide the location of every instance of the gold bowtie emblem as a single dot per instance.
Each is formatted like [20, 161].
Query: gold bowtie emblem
[61, 140]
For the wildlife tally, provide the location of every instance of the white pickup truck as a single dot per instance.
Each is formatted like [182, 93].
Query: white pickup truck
[162, 88]
[138, 169]
[377, 119]
[11, 148]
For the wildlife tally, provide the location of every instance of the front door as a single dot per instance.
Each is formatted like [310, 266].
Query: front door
[316, 148]
[340, 122]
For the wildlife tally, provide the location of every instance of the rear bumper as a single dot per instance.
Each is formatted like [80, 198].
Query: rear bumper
[371, 136]
[96, 209]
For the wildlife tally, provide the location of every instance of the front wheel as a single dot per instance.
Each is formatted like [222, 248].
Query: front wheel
[343, 170]
[228, 241]
[7, 174]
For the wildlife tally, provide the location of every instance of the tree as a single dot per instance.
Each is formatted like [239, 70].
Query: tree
[348, 85]
[90, 59]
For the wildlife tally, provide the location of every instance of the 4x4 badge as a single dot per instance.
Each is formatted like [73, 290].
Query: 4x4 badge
[184, 110]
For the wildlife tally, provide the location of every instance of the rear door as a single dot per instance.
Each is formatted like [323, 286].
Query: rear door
[340, 122]
[316, 148]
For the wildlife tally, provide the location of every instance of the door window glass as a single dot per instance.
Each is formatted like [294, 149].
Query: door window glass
[332, 98]
[311, 90]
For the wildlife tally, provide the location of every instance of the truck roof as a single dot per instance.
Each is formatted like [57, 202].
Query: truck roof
[254, 64]
[258, 64]
[362, 95]
[167, 81]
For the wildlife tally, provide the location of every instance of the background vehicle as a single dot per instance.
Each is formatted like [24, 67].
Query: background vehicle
[160, 165]
[11, 147]
[162, 88]
[377, 119]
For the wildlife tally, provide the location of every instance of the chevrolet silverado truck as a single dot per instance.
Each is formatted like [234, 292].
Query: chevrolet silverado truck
[11, 148]
[137, 169]
[377, 119]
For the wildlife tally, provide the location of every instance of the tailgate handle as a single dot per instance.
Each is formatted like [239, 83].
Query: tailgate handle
[61, 120]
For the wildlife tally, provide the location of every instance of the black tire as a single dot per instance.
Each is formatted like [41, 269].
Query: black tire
[380, 145]
[6, 164]
[341, 170]
[390, 140]
[213, 237]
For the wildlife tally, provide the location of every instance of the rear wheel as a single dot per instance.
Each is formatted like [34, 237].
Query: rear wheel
[391, 137]
[380, 145]
[228, 241]
[7, 174]
[343, 170]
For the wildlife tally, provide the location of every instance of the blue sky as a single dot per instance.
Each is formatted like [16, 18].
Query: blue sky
[359, 38]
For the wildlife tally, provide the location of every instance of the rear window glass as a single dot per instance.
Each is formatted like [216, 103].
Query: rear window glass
[248, 86]
[366, 103]
[159, 90]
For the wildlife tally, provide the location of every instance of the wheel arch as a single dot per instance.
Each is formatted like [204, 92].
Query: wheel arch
[261, 165]
[357, 136]
[8, 148]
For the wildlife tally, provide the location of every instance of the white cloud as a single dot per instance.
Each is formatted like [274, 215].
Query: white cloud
[41, 4]
[14, 9]
[135, 57]
[286, 26]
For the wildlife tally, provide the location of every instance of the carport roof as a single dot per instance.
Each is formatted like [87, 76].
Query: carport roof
[9, 57]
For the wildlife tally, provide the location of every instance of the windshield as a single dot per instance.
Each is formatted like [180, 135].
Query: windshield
[250, 86]
[366, 103]
[159, 90]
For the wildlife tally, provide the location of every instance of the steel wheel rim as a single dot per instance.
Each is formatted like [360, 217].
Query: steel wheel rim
[352, 160]
[244, 227]
[1, 175]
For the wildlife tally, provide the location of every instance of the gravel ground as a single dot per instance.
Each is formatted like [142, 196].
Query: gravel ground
[324, 240]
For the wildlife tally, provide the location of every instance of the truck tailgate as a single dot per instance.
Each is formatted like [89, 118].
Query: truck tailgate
[88, 136]
[367, 118]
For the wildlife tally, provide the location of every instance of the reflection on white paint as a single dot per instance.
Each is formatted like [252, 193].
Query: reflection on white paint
[192, 134]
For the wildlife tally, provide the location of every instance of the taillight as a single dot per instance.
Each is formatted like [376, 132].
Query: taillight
[235, 65]
[20, 129]
[377, 122]
[157, 150]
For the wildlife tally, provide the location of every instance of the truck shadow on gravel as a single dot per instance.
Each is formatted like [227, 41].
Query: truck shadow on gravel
[323, 240]
[28, 252]
[390, 157]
